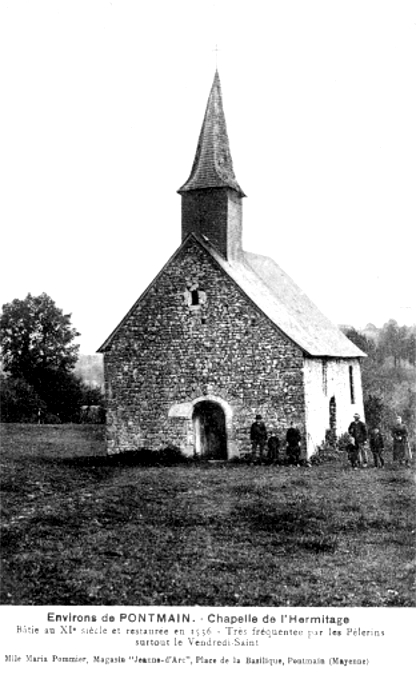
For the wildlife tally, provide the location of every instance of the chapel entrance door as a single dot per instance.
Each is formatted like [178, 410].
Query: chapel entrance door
[210, 432]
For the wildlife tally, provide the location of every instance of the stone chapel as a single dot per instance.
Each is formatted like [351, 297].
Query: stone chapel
[221, 335]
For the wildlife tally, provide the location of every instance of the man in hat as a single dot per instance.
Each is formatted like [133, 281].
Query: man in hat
[258, 437]
[358, 431]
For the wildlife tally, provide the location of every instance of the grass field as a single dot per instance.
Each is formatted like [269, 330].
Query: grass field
[80, 530]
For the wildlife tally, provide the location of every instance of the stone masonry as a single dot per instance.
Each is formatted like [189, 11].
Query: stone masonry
[222, 335]
[170, 353]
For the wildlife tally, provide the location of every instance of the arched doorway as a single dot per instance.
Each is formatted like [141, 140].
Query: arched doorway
[210, 432]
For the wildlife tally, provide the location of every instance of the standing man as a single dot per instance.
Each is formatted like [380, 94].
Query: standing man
[258, 437]
[358, 431]
[293, 439]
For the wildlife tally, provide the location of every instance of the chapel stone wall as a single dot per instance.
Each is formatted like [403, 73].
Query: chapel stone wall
[170, 352]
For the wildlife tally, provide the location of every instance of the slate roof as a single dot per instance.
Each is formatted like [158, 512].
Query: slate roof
[213, 165]
[287, 306]
[264, 283]
[270, 289]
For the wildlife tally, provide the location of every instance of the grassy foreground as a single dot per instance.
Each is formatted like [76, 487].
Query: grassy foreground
[80, 532]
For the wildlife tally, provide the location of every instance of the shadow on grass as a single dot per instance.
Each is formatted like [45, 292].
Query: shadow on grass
[168, 456]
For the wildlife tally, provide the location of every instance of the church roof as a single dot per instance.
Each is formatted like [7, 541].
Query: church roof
[279, 298]
[287, 306]
[262, 281]
[213, 165]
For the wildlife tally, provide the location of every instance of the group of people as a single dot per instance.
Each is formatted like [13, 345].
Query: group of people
[360, 438]
[267, 448]
[264, 447]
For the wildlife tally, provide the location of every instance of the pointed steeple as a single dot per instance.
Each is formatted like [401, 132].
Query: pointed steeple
[213, 166]
[212, 197]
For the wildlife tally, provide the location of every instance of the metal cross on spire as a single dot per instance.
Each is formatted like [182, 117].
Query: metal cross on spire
[216, 50]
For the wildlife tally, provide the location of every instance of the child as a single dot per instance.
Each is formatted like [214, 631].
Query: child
[273, 445]
[377, 447]
[353, 453]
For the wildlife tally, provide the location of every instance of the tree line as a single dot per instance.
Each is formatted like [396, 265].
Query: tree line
[391, 342]
[388, 373]
[39, 354]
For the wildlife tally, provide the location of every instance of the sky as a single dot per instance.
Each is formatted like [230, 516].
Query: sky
[102, 103]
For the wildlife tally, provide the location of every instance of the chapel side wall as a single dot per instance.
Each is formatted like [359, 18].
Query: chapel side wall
[168, 354]
[324, 379]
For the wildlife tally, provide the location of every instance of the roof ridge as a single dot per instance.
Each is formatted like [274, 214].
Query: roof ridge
[302, 322]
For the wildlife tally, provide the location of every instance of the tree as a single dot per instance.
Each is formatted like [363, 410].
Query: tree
[391, 341]
[374, 409]
[39, 355]
[388, 387]
[366, 344]
[411, 347]
[36, 338]
[19, 401]
[63, 393]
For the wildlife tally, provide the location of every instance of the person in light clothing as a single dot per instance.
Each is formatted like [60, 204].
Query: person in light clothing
[401, 447]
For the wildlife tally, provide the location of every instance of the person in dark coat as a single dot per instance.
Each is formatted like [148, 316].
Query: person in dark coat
[401, 449]
[293, 439]
[358, 431]
[377, 447]
[258, 437]
[273, 445]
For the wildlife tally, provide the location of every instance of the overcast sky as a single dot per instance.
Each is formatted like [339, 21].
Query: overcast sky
[102, 103]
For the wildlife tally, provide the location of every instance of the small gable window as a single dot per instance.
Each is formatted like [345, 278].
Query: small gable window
[194, 297]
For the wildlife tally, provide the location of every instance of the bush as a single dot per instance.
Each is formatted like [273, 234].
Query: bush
[58, 398]
[375, 411]
[19, 401]
[343, 441]
[327, 452]
[50, 418]
[170, 455]
[330, 438]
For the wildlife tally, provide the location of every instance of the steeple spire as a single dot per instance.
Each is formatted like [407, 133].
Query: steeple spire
[213, 166]
[212, 197]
